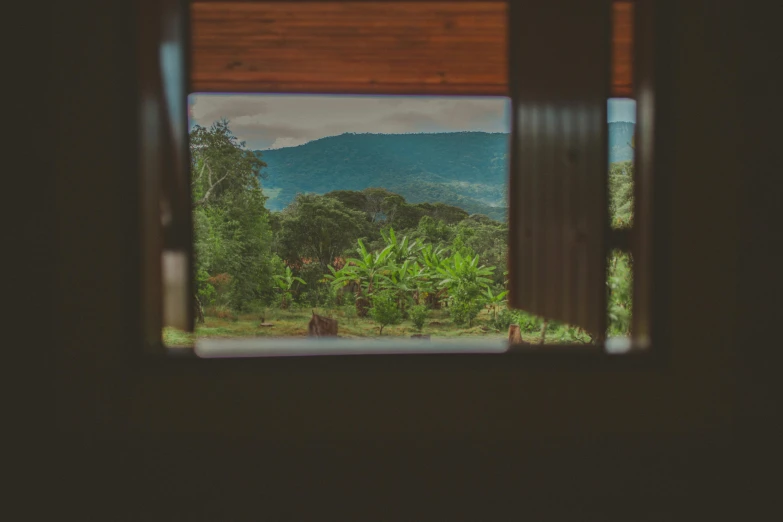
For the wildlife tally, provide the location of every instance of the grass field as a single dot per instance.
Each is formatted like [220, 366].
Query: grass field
[294, 324]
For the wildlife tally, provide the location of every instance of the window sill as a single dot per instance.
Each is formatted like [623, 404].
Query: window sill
[254, 351]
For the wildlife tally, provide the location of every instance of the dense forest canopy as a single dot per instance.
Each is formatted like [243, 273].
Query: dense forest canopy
[389, 256]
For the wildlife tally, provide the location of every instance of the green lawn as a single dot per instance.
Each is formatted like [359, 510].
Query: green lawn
[294, 324]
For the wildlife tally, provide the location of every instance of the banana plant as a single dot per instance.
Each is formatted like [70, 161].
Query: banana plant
[403, 250]
[465, 273]
[433, 258]
[285, 283]
[405, 282]
[494, 301]
[368, 270]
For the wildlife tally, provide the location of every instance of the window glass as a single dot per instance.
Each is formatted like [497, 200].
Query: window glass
[622, 124]
[367, 217]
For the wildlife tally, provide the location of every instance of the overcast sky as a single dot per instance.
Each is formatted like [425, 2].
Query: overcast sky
[267, 121]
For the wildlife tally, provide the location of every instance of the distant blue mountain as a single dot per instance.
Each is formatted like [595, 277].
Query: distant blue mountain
[620, 139]
[465, 169]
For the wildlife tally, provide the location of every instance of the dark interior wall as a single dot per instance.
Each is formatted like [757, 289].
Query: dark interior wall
[444, 439]
[760, 283]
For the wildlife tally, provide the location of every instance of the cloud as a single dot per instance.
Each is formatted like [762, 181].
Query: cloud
[274, 121]
[215, 107]
[621, 109]
[279, 143]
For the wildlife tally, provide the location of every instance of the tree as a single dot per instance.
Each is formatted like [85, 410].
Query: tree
[379, 202]
[486, 237]
[431, 231]
[231, 227]
[353, 199]
[384, 310]
[318, 228]
[220, 163]
[441, 212]
[418, 316]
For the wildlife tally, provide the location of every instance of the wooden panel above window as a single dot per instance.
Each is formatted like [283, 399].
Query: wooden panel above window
[389, 47]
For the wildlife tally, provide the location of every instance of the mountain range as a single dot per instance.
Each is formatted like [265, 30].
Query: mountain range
[464, 169]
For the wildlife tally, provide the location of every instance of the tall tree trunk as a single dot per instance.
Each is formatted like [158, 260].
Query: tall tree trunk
[198, 308]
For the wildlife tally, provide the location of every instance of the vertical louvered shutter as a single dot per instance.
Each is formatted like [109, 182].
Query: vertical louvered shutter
[559, 57]
[167, 244]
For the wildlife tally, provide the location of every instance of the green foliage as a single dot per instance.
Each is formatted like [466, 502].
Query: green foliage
[465, 280]
[496, 302]
[231, 223]
[318, 228]
[285, 284]
[286, 281]
[464, 274]
[481, 235]
[418, 315]
[384, 310]
[562, 333]
[620, 271]
[464, 307]
[318, 292]
[369, 246]
[204, 289]
[432, 231]
[528, 323]
[502, 320]
[403, 250]
[621, 194]
[620, 285]
[367, 270]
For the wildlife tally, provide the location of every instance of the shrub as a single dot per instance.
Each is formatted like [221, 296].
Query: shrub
[569, 334]
[464, 309]
[527, 322]
[384, 310]
[349, 311]
[502, 320]
[620, 287]
[222, 312]
[418, 315]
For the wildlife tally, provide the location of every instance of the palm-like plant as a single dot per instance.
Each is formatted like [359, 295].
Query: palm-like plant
[405, 281]
[494, 301]
[403, 250]
[465, 273]
[285, 283]
[433, 259]
[367, 269]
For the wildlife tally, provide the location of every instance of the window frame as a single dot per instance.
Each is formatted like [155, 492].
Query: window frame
[157, 355]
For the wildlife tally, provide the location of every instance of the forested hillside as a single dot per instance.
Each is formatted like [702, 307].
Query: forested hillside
[464, 169]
